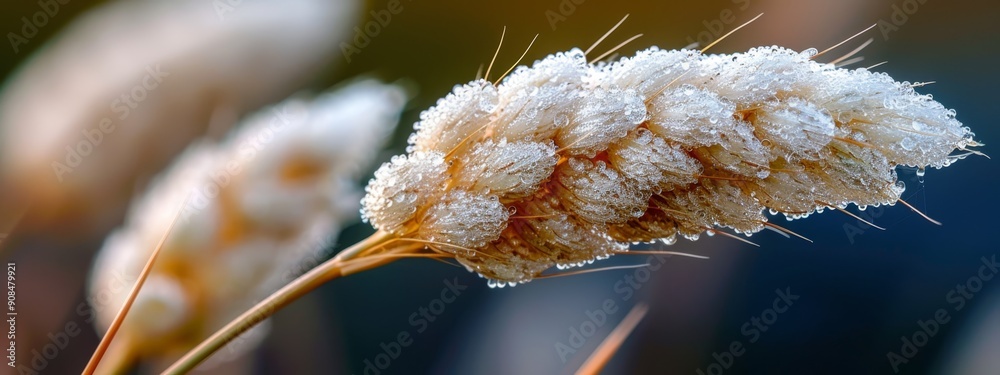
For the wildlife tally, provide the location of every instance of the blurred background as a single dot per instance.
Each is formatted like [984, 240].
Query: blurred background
[863, 294]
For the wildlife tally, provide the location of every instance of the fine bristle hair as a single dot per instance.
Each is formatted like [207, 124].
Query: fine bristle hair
[565, 161]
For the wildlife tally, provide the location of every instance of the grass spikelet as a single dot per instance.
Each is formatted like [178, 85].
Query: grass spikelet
[652, 146]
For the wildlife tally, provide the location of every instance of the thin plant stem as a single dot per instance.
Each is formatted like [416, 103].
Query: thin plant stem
[600, 357]
[102, 347]
[119, 358]
[347, 262]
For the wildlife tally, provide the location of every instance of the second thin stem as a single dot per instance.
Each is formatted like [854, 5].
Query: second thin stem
[349, 261]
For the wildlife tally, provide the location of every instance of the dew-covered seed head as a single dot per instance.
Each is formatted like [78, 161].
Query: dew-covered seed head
[401, 187]
[511, 170]
[464, 219]
[465, 111]
[590, 158]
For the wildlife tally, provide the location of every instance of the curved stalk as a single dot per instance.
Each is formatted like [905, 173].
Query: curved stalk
[348, 261]
[116, 324]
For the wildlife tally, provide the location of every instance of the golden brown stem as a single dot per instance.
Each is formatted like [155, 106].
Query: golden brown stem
[102, 347]
[340, 265]
[119, 359]
[610, 345]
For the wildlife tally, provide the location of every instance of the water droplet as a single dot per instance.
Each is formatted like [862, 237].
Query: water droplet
[495, 284]
[907, 143]
[561, 120]
[669, 240]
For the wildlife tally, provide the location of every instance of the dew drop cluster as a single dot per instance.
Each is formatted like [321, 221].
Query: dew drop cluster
[565, 162]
